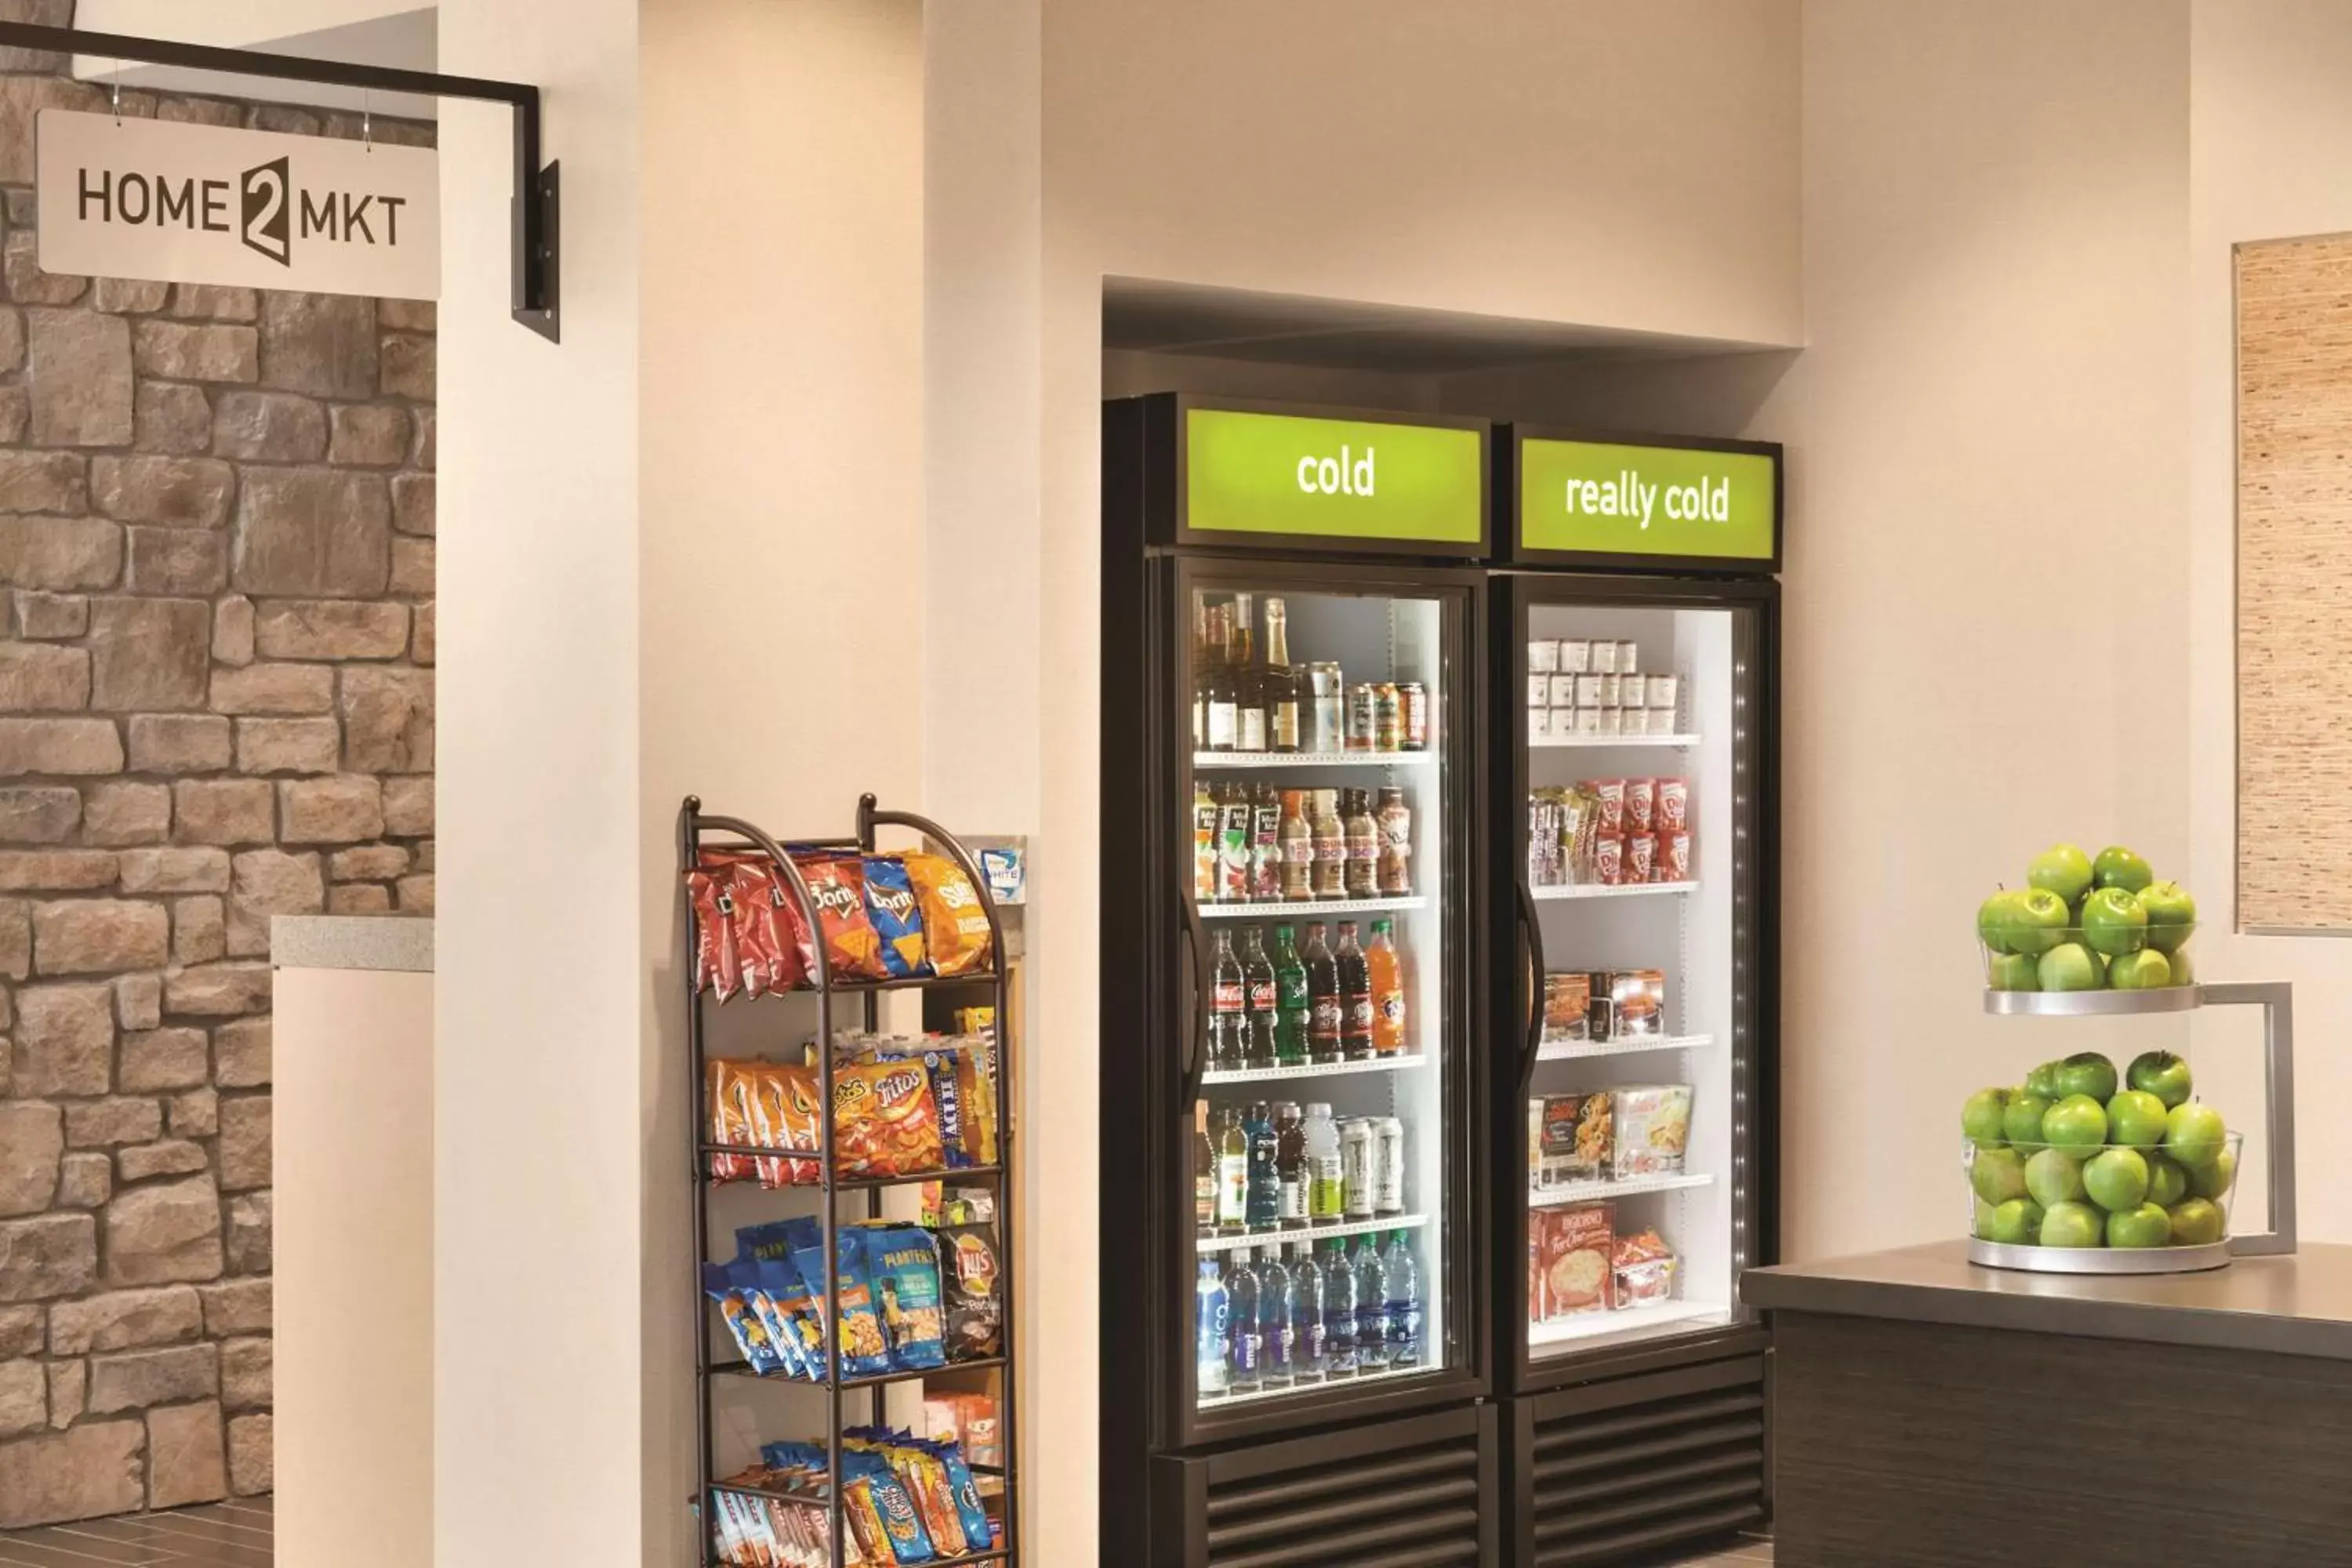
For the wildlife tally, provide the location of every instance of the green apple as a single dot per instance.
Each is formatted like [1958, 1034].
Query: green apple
[2052, 1178]
[2214, 1181]
[1982, 1224]
[2021, 1123]
[2167, 1183]
[2146, 970]
[2062, 869]
[2117, 1179]
[2183, 972]
[1981, 1118]
[2114, 923]
[2195, 1135]
[2077, 1126]
[2073, 1225]
[2116, 866]
[1995, 916]
[2038, 921]
[2161, 1074]
[2136, 1118]
[2196, 1222]
[2069, 967]
[2086, 1072]
[2044, 1081]
[2016, 1223]
[2171, 915]
[2014, 972]
[1997, 1174]
[2146, 1226]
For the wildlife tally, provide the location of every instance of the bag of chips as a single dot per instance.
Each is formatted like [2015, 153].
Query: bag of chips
[884, 1122]
[742, 1320]
[784, 1100]
[715, 965]
[969, 1292]
[955, 923]
[890, 904]
[761, 887]
[836, 885]
[864, 1350]
[903, 1264]
[979, 1533]
[926, 1481]
[727, 1093]
[905, 1535]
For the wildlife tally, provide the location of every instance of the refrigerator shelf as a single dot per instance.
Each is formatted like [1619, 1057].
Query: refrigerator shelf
[1680, 742]
[1311, 1390]
[1215, 1075]
[1577, 1050]
[1312, 908]
[1631, 1323]
[1585, 1192]
[1311, 1233]
[1315, 759]
[1607, 891]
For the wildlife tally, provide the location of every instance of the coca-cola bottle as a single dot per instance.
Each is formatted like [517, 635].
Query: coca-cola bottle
[1228, 1006]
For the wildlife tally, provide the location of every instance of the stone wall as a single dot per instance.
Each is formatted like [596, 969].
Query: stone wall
[215, 706]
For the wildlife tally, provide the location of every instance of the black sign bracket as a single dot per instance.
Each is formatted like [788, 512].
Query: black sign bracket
[536, 213]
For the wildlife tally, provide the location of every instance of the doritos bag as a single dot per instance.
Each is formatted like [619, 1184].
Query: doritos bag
[837, 883]
[890, 904]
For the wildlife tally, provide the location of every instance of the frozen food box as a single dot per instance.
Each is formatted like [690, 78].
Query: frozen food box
[1567, 1005]
[1653, 1130]
[1579, 1265]
[1639, 1001]
[1572, 1135]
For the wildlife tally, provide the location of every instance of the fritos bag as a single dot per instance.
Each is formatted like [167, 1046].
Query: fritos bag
[784, 1115]
[890, 904]
[837, 884]
[884, 1121]
[955, 923]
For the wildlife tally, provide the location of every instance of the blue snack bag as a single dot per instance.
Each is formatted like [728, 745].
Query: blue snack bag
[863, 1349]
[910, 1541]
[898, 921]
[774, 1285]
[742, 1320]
[903, 1266]
[978, 1533]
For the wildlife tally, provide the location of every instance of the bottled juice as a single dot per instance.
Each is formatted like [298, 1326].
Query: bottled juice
[1387, 980]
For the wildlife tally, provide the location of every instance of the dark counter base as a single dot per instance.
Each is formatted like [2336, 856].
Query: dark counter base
[1902, 1444]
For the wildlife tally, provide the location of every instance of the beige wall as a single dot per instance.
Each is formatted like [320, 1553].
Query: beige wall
[1985, 572]
[2270, 115]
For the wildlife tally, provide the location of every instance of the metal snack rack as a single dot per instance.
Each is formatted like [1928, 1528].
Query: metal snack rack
[699, 831]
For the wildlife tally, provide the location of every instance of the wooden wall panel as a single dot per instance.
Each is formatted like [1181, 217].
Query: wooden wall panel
[2294, 584]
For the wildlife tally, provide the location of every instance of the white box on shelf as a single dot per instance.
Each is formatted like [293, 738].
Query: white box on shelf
[1543, 656]
[1575, 656]
[1539, 723]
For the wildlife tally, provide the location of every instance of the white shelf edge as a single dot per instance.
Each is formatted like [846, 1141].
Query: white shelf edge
[1678, 741]
[1609, 1325]
[1327, 1385]
[1607, 891]
[1580, 1050]
[1319, 907]
[1216, 1075]
[1315, 759]
[1310, 1233]
[1633, 1187]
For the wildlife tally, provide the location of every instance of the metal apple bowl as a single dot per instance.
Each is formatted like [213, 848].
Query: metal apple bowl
[2109, 1208]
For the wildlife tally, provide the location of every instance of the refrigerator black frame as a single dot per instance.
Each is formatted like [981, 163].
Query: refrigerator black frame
[1510, 552]
[1515, 589]
[1146, 1222]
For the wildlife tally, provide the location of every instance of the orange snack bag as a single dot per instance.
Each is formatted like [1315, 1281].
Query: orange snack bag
[955, 923]
[884, 1121]
[784, 1103]
[730, 1109]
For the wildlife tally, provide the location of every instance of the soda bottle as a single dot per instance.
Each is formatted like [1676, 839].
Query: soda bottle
[1327, 1186]
[1273, 1321]
[1204, 1175]
[1228, 1004]
[1233, 1173]
[1265, 846]
[1324, 1007]
[1264, 1203]
[1339, 1312]
[1362, 878]
[1290, 1161]
[1243, 1347]
[1387, 985]
[1307, 1329]
[1293, 1011]
[1297, 842]
[1372, 1308]
[1402, 1292]
[1330, 838]
[1208, 816]
[1233, 844]
[1395, 822]
[1212, 1312]
[1355, 997]
[1259, 1017]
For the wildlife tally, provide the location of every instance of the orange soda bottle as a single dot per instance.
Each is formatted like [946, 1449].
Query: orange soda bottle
[1388, 989]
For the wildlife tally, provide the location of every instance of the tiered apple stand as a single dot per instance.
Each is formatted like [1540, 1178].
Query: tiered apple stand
[2275, 999]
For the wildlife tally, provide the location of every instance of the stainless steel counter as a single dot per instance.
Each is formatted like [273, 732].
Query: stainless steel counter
[2298, 1305]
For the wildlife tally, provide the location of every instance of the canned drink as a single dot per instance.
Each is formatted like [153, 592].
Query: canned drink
[1388, 718]
[1388, 1165]
[1412, 700]
[1361, 714]
[1357, 1173]
[1330, 718]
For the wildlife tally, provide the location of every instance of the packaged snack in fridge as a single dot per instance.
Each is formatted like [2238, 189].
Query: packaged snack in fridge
[1674, 856]
[1587, 691]
[1604, 656]
[1568, 998]
[1543, 655]
[1628, 661]
[1673, 806]
[1563, 691]
[1638, 998]
[1641, 804]
[1644, 1269]
[1661, 691]
[1653, 1130]
[1579, 1268]
[1540, 689]
[1608, 859]
[1539, 723]
[1538, 1286]
[1612, 720]
[1610, 793]
[1572, 1138]
[1588, 721]
[1575, 655]
[1641, 856]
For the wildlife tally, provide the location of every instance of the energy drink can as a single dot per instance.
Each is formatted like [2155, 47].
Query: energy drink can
[1388, 1165]
[1356, 1172]
[1329, 732]
[1412, 702]
[1361, 715]
[1388, 718]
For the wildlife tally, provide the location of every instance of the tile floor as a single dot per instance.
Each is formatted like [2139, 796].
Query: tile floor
[1753, 1552]
[226, 1535]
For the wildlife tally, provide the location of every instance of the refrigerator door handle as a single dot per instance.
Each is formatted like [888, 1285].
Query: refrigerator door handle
[1532, 931]
[1196, 1056]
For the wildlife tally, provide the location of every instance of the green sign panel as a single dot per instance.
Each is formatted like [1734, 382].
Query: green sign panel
[1600, 498]
[1340, 479]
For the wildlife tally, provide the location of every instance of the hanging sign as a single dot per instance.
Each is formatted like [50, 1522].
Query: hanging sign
[1418, 487]
[257, 209]
[1709, 504]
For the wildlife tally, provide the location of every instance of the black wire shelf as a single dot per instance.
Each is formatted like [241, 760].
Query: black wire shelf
[950, 1176]
[869, 1380]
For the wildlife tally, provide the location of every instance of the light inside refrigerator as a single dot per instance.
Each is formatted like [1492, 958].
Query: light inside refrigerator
[1635, 1104]
[1362, 650]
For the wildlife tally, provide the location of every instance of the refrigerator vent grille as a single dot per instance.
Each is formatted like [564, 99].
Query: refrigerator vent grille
[1610, 1485]
[1413, 1507]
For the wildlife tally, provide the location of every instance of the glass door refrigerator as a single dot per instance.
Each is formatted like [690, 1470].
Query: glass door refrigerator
[1635, 669]
[1293, 1302]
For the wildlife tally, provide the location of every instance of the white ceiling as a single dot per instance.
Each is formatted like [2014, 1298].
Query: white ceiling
[392, 33]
